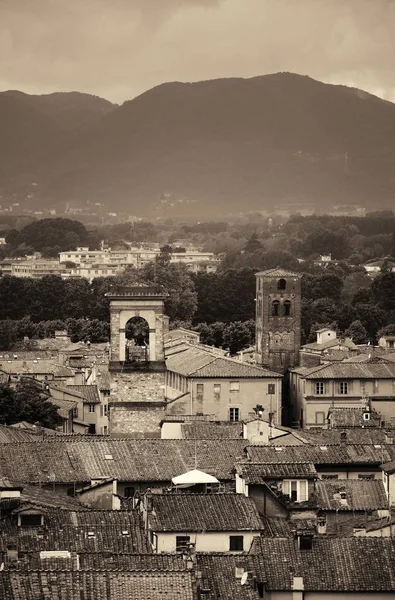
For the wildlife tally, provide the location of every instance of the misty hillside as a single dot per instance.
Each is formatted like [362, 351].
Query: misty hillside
[226, 145]
[70, 110]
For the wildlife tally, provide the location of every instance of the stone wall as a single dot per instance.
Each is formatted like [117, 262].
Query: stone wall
[130, 417]
[278, 337]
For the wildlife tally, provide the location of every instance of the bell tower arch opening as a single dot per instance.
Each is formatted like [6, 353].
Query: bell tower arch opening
[137, 340]
[136, 327]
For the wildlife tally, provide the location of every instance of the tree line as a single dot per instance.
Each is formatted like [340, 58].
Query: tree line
[348, 299]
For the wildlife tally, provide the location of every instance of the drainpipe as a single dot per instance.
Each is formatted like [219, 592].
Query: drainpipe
[191, 395]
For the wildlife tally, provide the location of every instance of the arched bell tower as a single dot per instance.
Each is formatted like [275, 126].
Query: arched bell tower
[278, 319]
[126, 303]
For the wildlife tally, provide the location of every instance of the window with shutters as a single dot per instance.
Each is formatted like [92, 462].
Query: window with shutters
[343, 387]
[199, 391]
[234, 414]
[295, 489]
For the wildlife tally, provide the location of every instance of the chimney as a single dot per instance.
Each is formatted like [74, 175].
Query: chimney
[239, 571]
[321, 525]
[297, 588]
[389, 439]
[12, 553]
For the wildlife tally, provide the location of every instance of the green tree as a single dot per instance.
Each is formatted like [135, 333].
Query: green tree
[236, 337]
[357, 332]
[176, 281]
[383, 291]
[27, 403]
[253, 244]
[387, 330]
[8, 334]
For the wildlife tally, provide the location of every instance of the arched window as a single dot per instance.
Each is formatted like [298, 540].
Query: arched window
[281, 284]
[275, 308]
[287, 308]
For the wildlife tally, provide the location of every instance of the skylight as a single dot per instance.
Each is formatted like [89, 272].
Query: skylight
[108, 457]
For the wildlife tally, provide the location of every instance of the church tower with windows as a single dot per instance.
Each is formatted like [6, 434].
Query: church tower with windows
[278, 319]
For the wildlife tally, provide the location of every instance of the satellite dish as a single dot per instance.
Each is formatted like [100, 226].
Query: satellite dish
[243, 580]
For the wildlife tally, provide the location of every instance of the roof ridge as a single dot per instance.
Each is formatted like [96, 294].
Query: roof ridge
[214, 358]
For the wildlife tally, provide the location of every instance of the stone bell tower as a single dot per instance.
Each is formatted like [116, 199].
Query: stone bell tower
[138, 372]
[278, 319]
[145, 302]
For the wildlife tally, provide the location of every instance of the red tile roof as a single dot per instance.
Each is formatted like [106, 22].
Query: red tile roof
[197, 362]
[259, 473]
[81, 459]
[332, 565]
[361, 495]
[203, 512]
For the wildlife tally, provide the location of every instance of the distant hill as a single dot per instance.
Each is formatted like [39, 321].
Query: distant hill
[70, 110]
[220, 146]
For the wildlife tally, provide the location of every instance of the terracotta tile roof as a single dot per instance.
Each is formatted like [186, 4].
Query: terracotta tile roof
[259, 473]
[278, 273]
[352, 417]
[276, 527]
[78, 459]
[218, 576]
[132, 562]
[349, 370]
[323, 455]
[90, 393]
[9, 435]
[332, 565]
[64, 406]
[47, 497]
[203, 512]
[347, 343]
[359, 494]
[79, 531]
[201, 430]
[93, 585]
[354, 435]
[202, 363]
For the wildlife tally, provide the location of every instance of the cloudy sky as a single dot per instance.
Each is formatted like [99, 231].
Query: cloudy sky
[120, 48]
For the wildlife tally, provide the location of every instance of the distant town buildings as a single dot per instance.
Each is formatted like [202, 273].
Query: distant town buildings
[106, 262]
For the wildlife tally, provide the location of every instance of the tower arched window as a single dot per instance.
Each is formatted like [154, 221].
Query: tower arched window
[275, 308]
[287, 308]
[281, 284]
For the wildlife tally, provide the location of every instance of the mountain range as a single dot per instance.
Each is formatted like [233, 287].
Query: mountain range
[212, 147]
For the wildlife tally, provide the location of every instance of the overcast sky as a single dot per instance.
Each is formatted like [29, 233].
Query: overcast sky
[120, 48]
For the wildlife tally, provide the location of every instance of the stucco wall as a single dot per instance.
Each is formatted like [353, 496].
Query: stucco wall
[217, 541]
[252, 392]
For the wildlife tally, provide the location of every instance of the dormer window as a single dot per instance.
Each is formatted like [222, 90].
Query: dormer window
[281, 284]
[30, 519]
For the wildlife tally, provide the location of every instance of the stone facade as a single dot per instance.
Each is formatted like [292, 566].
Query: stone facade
[278, 319]
[137, 418]
[137, 301]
